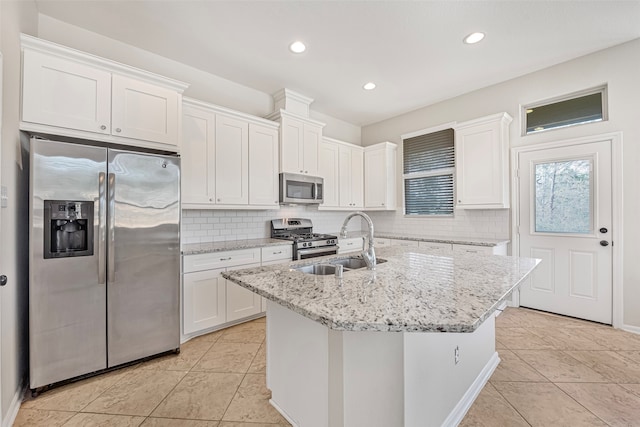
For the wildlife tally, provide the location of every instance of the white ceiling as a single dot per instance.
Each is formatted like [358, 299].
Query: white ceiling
[412, 50]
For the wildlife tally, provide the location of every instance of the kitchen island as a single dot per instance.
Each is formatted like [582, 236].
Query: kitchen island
[409, 344]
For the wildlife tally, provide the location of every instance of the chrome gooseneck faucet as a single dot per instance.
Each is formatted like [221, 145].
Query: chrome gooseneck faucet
[369, 255]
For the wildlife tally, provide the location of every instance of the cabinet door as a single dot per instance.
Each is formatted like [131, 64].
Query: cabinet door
[231, 161]
[482, 176]
[375, 179]
[345, 177]
[439, 246]
[242, 302]
[351, 245]
[144, 111]
[204, 301]
[328, 169]
[291, 148]
[312, 135]
[263, 165]
[357, 177]
[63, 93]
[198, 132]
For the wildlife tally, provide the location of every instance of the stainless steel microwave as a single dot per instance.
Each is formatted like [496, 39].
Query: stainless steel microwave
[301, 189]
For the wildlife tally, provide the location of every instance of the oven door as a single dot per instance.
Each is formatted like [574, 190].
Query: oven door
[316, 252]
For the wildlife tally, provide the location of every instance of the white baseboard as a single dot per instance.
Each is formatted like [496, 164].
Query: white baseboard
[632, 329]
[12, 413]
[283, 413]
[460, 410]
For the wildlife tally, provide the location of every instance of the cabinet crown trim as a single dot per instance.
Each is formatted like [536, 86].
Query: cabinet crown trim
[277, 115]
[337, 141]
[51, 48]
[195, 103]
[505, 117]
[380, 146]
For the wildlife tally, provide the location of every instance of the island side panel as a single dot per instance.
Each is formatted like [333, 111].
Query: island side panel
[373, 378]
[298, 367]
[437, 391]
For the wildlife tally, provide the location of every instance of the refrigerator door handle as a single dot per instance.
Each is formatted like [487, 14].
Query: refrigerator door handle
[102, 220]
[111, 261]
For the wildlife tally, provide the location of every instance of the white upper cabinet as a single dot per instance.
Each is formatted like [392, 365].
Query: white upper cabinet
[263, 165]
[299, 143]
[64, 93]
[232, 161]
[70, 93]
[198, 135]
[229, 159]
[482, 162]
[141, 110]
[351, 176]
[380, 176]
[328, 170]
[342, 167]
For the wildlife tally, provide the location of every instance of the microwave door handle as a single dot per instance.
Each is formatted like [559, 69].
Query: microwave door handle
[315, 191]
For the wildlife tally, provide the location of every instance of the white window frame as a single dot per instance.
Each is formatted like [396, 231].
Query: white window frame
[598, 89]
[447, 171]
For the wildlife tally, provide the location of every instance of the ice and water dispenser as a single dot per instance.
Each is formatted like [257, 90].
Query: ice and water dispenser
[68, 228]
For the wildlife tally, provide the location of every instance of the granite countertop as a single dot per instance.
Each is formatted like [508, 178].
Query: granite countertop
[453, 240]
[230, 245]
[416, 290]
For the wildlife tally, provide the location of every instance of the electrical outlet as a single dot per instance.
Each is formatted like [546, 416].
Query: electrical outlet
[4, 197]
[456, 355]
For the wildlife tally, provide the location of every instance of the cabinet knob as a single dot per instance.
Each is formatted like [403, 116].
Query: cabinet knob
[301, 171]
[118, 130]
[3, 280]
[103, 127]
[219, 200]
[459, 201]
[211, 199]
[306, 171]
[383, 204]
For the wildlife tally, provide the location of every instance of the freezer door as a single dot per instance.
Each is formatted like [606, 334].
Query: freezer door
[67, 294]
[143, 263]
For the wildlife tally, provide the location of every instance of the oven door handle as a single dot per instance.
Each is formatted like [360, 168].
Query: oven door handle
[317, 250]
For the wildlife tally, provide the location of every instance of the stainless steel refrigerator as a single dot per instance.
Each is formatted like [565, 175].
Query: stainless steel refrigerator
[104, 258]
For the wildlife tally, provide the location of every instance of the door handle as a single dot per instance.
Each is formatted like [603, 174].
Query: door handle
[3, 280]
[604, 243]
[102, 218]
[111, 253]
[603, 230]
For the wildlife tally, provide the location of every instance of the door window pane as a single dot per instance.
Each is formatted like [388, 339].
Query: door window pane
[563, 197]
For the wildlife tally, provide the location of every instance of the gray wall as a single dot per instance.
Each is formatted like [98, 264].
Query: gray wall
[15, 17]
[619, 67]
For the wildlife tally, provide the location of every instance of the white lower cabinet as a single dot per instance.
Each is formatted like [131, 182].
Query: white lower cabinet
[209, 300]
[355, 244]
[241, 302]
[407, 243]
[500, 249]
[204, 300]
[436, 245]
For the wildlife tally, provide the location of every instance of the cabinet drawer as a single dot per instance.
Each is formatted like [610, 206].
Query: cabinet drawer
[486, 250]
[213, 260]
[408, 243]
[436, 245]
[350, 245]
[276, 253]
[381, 243]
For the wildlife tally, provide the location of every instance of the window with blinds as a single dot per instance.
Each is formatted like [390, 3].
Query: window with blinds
[429, 166]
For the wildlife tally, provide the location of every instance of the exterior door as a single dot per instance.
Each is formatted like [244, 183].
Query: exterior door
[565, 218]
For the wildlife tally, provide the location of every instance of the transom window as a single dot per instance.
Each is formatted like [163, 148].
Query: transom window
[577, 108]
[429, 166]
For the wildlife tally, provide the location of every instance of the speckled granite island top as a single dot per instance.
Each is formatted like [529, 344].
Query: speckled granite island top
[452, 240]
[416, 290]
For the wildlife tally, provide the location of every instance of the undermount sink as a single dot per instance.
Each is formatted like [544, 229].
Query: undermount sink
[329, 267]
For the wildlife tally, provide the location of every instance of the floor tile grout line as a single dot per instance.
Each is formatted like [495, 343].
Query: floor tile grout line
[512, 407]
[575, 400]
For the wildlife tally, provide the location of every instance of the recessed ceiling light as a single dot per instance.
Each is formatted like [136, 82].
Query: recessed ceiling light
[369, 86]
[297, 47]
[473, 38]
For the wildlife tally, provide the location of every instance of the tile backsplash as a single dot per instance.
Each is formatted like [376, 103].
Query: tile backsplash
[202, 226]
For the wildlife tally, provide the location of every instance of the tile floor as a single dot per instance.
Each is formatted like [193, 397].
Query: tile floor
[555, 371]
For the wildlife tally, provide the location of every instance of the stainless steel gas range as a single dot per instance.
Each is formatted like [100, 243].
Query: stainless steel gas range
[306, 243]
